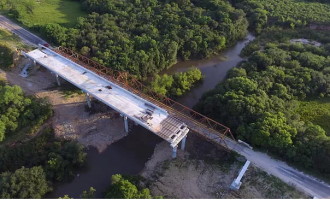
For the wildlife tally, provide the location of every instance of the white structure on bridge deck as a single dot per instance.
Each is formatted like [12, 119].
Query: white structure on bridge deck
[126, 103]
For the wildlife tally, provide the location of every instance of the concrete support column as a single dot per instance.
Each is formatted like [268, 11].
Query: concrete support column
[58, 80]
[183, 143]
[88, 99]
[34, 63]
[174, 150]
[126, 124]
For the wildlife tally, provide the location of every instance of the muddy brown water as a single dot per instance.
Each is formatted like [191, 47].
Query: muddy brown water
[213, 69]
[129, 155]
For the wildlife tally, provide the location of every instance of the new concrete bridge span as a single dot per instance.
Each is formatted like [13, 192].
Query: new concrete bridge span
[169, 120]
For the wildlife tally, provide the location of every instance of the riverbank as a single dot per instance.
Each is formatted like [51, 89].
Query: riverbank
[213, 69]
[115, 155]
[95, 128]
[127, 156]
[206, 171]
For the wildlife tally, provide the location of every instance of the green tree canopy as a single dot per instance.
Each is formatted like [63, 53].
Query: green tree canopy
[17, 111]
[24, 183]
[6, 56]
[145, 37]
[258, 100]
[123, 189]
[177, 84]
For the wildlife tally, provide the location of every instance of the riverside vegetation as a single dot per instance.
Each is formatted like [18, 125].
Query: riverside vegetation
[145, 37]
[28, 167]
[260, 99]
[284, 13]
[30, 159]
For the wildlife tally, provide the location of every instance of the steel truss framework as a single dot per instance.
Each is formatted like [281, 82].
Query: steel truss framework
[194, 120]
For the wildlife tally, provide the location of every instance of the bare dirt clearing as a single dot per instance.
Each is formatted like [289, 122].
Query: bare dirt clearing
[207, 172]
[99, 126]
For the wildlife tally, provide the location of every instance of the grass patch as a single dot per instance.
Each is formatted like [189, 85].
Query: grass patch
[9, 43]
[316, 111]
[6, 36]
[268, 186]
[68, 90]
[11, 40]
[63, 12]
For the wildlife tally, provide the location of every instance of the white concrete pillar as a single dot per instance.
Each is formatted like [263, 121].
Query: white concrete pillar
[126, 124]
[174, 150]
[88, 99]
[183, 143]
[58, 80]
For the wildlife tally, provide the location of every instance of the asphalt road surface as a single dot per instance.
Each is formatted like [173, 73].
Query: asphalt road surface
[280, 169]
[25, 35]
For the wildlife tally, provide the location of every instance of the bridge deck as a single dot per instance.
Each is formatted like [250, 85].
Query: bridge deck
[134, 107]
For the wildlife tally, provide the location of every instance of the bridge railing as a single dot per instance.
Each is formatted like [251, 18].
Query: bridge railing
[195, 121]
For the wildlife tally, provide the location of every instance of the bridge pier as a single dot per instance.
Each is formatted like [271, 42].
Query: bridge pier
[183, 143]
[126, 124]
[88, 99]
[174, 151]
[58, 80]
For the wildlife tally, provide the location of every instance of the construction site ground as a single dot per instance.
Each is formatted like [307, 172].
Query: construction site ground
[205, 171]
[99, 126]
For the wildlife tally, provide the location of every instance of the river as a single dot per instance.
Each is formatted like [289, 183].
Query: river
[213, 69]
[129, 155]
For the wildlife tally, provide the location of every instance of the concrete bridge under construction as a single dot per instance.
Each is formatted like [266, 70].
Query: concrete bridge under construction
[123, 93]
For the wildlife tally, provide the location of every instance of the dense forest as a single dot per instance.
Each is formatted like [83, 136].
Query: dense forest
[18, 111]
[28, 167]
[145, 37]
[125, 187]
[284, 13]
[259, 101]
[28, 170]
[6, 56]
[121, 187]
[177, 84]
